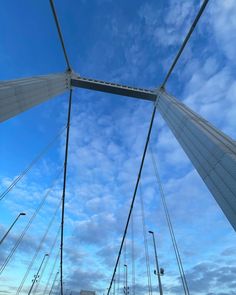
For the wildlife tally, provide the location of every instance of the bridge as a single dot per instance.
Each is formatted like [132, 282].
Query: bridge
[211, 152]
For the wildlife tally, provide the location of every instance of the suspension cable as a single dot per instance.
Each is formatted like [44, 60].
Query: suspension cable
[170, 226]
[54, 282]
[51, 272]
[134, 195]
[38, 249]
[34, 161]
[41, 204]
[145, 242]
[64, 189]
[202, 8]
[149, 132]
[46, 263]
[60, 34]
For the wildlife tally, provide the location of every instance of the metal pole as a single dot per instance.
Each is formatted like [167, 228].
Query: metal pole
[54, 281]
[157, 264]
[37, 275]
[126, 279]
[6, 234]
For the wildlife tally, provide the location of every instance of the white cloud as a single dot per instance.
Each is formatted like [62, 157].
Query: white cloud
[223, 22]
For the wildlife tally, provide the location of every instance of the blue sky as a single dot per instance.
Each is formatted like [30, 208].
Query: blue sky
[131, 42]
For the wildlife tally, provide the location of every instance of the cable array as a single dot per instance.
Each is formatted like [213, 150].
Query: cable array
[170, 226]
[38, 249]
[7, 260]
[45, 265]
[51, 272]
[130, 216]
[29, 167]
[149, 133]
[134, 196]
[54, 282]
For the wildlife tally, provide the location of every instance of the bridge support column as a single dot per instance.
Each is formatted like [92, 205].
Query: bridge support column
[212, 153]
[17, 96]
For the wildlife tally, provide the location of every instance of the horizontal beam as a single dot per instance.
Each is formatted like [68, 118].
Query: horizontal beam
[113, 88]
[17, 96]
[212, 153]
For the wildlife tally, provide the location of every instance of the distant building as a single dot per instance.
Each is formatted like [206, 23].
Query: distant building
[85, 292]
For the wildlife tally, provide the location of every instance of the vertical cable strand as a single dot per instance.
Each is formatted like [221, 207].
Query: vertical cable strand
[171, 230]
[64, 189]
[134, 195]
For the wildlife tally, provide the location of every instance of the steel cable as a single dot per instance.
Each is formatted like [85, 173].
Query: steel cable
[46, 263]
[149, 132]
[38, 249]
[51, 273]
[10, 255]
[64, 188]
[60, 34]
[170, 226]
[28, 168]
[134, 195]
[202, 8]
[54, 282]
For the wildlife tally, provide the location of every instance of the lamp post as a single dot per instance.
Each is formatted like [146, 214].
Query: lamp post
[6, 234]
[157, 264]
[37, 275]
[126, 288]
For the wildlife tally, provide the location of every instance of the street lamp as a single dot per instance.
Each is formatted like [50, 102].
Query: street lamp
[6, 234]
[157, 265]
[126, 288]
[37, 275]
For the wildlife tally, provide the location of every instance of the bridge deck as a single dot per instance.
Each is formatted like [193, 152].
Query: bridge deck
[114, 88]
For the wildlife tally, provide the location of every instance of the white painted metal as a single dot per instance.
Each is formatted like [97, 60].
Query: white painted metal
[212, 153]
[19, 95]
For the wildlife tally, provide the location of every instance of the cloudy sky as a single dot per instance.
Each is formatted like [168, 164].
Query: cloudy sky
[131, 42]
